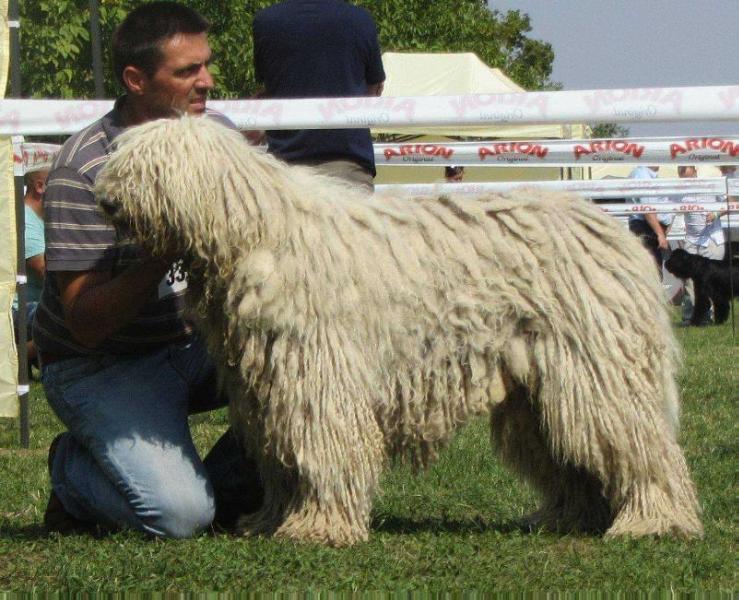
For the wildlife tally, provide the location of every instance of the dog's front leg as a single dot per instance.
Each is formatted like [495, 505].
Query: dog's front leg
[324, 447]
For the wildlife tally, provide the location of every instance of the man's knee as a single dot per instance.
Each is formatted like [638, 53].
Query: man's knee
[182, 513]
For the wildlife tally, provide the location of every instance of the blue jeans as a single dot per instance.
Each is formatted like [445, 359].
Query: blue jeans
[129, 459]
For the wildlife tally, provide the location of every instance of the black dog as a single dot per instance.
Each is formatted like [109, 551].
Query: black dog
[712, 282]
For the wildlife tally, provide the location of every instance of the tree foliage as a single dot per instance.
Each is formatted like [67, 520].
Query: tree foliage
[609, 131]
[56, 57]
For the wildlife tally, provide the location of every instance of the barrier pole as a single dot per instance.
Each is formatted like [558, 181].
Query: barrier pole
[730, 250]
[20, 220]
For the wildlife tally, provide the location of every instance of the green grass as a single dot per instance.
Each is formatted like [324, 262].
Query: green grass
[448, 529]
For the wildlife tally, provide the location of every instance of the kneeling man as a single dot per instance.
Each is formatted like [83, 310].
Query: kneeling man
[120, 366]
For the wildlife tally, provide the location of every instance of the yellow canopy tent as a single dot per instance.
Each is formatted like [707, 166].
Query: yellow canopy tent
[8, 357]
[439, 74]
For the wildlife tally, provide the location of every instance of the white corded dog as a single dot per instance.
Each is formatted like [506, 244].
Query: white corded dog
[349, 327]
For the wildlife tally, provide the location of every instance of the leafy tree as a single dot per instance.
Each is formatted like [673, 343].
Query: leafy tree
[56, 58]
[609, 130]
[465, 26]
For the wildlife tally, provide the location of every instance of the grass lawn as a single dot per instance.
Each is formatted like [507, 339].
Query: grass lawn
[450, 529]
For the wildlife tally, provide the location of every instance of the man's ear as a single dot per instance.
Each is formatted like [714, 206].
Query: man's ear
[135, 80]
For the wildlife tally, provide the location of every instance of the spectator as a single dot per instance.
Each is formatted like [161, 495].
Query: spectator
[320, 48]
[651, 228]
[453, 174]
[120, 366]
[703, 236]
[35, 182]
[729, 171]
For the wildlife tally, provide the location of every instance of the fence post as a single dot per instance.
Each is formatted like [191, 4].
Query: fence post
[20, 220]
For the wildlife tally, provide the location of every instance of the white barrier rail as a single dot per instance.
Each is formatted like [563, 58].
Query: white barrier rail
[33, 156]
[707, 103]
[670, 207]
[29, 156]
[600, 188]
[546, 153]
[563, 153]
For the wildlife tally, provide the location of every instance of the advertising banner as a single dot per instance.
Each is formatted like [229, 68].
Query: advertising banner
[561, 153]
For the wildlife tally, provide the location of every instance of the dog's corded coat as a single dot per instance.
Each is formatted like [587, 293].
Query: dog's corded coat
[350, 327]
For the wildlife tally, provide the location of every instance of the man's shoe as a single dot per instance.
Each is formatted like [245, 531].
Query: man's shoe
[56, 517]
[58, 520]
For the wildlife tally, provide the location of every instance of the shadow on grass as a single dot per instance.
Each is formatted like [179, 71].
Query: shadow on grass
[403, 525]
[37, 531]
[26, 533]
[395, 525]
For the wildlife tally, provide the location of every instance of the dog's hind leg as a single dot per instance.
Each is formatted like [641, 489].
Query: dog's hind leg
[613, 422]
[721, 309]
[572, 499]
[702, 307]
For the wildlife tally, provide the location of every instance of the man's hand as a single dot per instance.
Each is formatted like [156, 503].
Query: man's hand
[375, 89]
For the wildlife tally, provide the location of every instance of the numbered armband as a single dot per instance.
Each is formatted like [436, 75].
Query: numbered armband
[174, 282]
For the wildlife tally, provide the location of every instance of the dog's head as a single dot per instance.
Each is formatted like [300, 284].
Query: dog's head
[163, 183]
[682, 264]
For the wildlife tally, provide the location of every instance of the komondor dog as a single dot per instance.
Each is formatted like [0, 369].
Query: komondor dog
[351, 328]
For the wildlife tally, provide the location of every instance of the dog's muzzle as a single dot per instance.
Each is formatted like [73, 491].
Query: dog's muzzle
[109, 207]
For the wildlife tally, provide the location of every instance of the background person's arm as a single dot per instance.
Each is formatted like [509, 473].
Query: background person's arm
[37, 266]
[659, 231]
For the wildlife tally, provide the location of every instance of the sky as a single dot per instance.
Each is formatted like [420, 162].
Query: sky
[601, 44]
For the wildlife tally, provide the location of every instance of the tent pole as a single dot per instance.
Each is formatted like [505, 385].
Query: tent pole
[15, 91]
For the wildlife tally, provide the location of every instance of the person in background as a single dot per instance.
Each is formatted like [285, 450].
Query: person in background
[453, 174]
[120, 365]
[703, 236]
[729, 171]
[318, 49]
[651, 228]
[35, 183]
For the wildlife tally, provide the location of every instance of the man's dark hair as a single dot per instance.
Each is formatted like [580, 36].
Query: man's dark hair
[30, 176]
[452, 171]
[137, 40]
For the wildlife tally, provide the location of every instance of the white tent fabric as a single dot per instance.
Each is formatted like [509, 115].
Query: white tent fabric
[439, 74]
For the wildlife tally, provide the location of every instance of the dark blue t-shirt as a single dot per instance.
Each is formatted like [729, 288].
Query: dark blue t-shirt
[313, 49]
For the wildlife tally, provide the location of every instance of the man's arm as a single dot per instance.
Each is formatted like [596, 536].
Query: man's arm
[97, 305]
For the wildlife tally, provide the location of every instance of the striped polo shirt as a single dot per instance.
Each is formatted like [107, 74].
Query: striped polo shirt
[79, 239]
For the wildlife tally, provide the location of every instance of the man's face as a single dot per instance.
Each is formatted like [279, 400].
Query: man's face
[455, 176]
[39, 182]
[182, 81]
